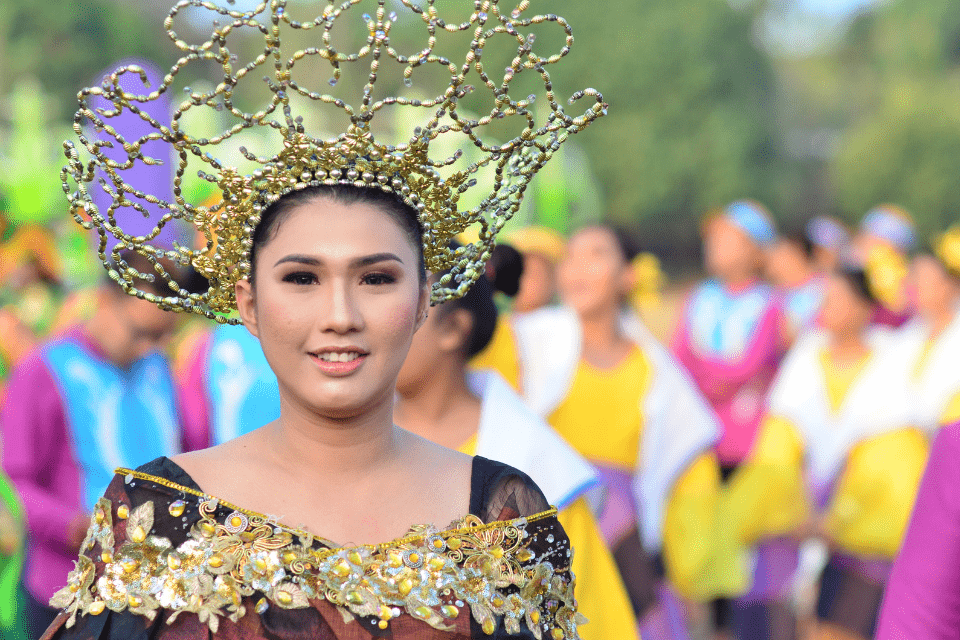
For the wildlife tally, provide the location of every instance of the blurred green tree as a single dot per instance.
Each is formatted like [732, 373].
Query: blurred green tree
[65, 44]
[691, 123]
[902, 143]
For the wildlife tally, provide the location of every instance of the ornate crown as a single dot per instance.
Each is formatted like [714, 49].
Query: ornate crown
[298, 159]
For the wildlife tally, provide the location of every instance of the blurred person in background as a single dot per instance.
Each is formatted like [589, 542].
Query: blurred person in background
[100, 396]
[930, 343]
[505, 270]
[477, 413]
[883, 243]
[30, 277]
[540, 249]
[836, 459]
[30, 293]
[595, 372]
[731, 337]
[830, 239]
[790, 265]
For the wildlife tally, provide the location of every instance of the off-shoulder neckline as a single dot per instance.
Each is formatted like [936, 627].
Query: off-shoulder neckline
[457, 527]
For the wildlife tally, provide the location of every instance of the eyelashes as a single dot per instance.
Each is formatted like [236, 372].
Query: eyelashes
[304, 278]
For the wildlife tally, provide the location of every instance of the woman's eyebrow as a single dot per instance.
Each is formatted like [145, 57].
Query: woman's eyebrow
[374, 258]
[363, 261]
[299, 258]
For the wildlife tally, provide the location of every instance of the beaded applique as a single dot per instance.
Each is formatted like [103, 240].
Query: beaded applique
[430, 574]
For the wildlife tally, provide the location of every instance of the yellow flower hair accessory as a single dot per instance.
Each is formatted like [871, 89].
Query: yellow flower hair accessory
[299, 159]
[541, 241]
[649, 281]
[947, 250]
[886, 270]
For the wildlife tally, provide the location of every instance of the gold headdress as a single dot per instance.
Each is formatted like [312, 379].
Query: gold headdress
[432, 186]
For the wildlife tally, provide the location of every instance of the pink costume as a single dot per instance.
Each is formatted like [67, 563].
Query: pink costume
[730, 342]
[922, 598]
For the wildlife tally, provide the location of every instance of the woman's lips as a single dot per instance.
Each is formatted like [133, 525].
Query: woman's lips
[336, 368]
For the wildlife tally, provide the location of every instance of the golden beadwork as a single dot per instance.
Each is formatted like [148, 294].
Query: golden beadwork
[492, 571]
[433, 186]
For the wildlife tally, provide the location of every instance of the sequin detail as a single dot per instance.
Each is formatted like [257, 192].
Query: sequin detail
[429, 574]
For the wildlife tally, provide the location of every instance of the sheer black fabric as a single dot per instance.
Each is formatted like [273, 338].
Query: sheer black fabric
[498, 492]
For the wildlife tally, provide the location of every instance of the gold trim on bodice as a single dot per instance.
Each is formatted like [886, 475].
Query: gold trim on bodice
[241, 559]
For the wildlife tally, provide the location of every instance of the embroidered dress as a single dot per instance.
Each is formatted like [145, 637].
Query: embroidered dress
[838, 442]
[165, 561]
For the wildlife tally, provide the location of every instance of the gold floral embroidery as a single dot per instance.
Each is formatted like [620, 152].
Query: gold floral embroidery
[430, 574]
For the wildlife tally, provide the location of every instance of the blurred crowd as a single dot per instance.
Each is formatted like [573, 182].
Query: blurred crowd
[740, 465]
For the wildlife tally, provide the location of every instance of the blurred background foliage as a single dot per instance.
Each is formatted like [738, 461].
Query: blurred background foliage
[710, 100]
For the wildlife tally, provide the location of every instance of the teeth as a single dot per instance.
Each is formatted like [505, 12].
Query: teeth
[348, 356]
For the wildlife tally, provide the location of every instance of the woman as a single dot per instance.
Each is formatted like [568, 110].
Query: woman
[930, 342]
[731, 337]
[322, 251]
[837, 437]
[614, 393]
[478, 413]
[539, 250]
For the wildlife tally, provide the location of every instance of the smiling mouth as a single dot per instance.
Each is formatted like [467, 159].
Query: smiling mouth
[333, 356]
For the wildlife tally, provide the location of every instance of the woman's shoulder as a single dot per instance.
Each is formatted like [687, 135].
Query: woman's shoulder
[166, 469]
[499, 491]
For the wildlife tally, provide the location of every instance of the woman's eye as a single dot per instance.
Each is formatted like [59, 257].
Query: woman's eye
[300, 278]
[378, 279]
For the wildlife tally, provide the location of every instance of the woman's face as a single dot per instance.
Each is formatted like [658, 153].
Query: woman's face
[934, 289]
[728, 251]
[594, 277]
[843, 311]
[336, 302]
[537, 284]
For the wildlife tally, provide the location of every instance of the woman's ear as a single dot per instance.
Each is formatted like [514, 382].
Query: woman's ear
[423, 305]
[246, 305]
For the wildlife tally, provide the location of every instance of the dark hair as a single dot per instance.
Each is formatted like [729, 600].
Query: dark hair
[799, 238]
[859, 282]
[504, 269]
[479, 302]
[402, 213]
[625, 242]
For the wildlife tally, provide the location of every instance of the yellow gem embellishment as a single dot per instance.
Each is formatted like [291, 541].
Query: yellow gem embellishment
[557, 633]
[405, 587]
[489, 626]
[139, 535]
[450, 611]
[176, 508]
[97, 607]
[123, 512]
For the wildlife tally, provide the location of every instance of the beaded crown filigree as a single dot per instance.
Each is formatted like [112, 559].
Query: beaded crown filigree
[433, 186]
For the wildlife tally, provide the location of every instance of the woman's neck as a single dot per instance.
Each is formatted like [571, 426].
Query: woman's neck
[603, 345]
[441, 409]
[848, 347]
[940, 320]
[323, 448]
